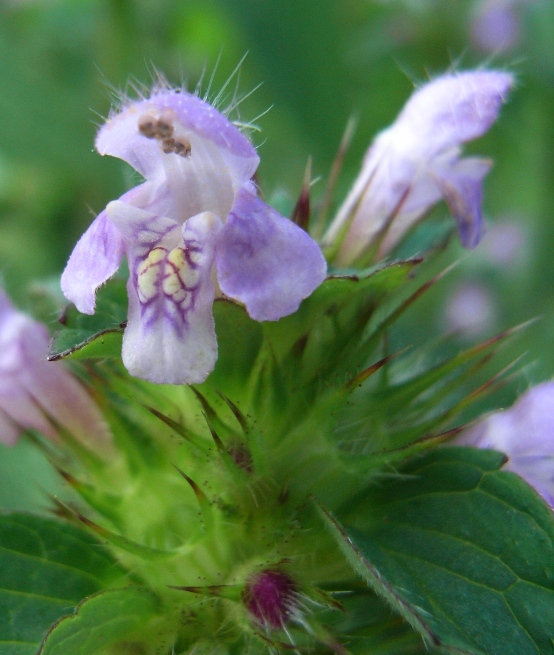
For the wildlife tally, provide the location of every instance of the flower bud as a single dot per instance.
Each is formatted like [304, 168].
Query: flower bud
[270, 596]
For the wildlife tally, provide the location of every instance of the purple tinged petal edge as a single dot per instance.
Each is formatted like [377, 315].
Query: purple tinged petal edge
[95, 258]
[266, 261]
[462, 189]
[37, 394]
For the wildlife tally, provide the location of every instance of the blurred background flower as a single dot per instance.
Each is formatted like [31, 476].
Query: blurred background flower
[36, 394]
[470, 310]
[320, 62]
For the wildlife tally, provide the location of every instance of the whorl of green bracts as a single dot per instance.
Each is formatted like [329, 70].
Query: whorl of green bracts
[243, 515]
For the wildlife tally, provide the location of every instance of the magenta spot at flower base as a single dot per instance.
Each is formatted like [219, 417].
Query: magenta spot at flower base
[270, 598]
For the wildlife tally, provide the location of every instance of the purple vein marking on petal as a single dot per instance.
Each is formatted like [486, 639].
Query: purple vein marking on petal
[177, 289]
[167, 282]
[149, 236]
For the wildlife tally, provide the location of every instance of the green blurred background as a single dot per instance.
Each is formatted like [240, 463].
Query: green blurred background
[320, 62]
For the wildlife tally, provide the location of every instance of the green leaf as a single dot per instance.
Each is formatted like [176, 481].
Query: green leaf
[462, 550]
[79, 344]
[95, 336]
[46, 568]
[103, 621]
[367, 625]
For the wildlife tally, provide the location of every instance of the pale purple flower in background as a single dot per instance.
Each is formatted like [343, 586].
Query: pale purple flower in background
[416, 162]
[193, 231]
[506, 244]
[39, 395]
[496, 26]
[470, 309]
[525, 432]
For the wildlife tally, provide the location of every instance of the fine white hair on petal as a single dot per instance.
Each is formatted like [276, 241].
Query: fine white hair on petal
[120, 136]
[453, 109]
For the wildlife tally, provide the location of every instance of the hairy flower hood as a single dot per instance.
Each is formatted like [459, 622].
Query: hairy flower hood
[194, 230]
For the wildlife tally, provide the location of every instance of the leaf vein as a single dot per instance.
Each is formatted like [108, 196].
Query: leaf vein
[43, 561]
[63, 601]
[403, 555]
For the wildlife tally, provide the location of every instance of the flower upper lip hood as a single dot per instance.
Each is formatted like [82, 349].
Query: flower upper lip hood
[197, 119]
[416, 161]
[193, 230]
[452, 109]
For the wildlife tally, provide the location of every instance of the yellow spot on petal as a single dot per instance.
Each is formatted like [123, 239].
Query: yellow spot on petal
[149, 273]
[177, 258]
[156, 255]
[178, 275]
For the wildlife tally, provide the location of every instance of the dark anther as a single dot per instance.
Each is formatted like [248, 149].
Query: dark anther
[182, 147]
[168, 146]
[165, 130]
[156, 128]
[147, 126]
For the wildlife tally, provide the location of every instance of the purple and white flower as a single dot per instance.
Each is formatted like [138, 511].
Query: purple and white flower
[193, 231]
[39, 395]
[414, 163]
[525, 432]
